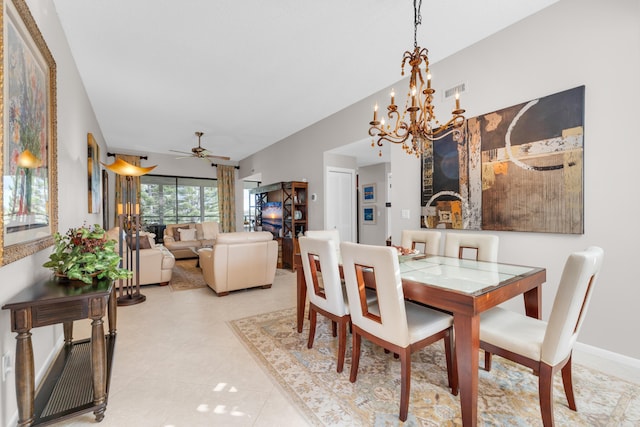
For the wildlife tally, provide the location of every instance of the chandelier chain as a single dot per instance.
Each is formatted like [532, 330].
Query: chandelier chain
[417, 20]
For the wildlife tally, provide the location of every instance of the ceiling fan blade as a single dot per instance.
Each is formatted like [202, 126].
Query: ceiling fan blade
[213, 156]
[181, 152]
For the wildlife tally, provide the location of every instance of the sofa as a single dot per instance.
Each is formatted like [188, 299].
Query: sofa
[183, 240]
[240, 260]
[156, 262]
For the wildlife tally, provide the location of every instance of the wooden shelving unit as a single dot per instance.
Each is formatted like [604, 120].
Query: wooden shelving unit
[292, 195]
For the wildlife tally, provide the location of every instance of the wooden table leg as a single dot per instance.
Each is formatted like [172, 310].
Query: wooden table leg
[467, 336]
[98, 356]
[533, 302]
[112, 311]
[25, 378]
[67, 328]
[302, 298]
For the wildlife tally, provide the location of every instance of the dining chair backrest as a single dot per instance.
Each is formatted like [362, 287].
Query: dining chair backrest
[429, 238]
[570, 304]
[485, 246]
[387, 319]
[327, 295]
[333, 235]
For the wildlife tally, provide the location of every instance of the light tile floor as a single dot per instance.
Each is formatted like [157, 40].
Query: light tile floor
[177, 362]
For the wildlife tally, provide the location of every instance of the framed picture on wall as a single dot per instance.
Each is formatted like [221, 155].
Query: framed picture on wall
[369, 193]
[93, 170]
[369, 215]
[27, 137]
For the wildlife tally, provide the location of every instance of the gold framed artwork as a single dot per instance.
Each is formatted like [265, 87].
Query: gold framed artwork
[93, 174]
[28, 140]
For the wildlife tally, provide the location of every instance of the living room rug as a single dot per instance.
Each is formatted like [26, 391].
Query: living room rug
[507, 396]
[186, 275]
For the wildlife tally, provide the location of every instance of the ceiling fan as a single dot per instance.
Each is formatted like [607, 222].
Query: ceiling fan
[200, 152]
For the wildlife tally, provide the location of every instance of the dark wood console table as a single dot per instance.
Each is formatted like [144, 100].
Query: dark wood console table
[78, 380]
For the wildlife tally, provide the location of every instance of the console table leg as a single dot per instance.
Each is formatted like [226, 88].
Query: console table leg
[25, 378]
[98, 364]
[112, 312]
[67, 327]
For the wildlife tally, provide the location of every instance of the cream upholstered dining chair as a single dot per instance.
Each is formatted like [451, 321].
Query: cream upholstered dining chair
[393, 323]
[429, 238]
[325, 290]
[484, 245]
[542, 346]
[333, 235]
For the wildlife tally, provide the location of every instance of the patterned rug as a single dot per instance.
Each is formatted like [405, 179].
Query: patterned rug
[508, 395]
[186, 275]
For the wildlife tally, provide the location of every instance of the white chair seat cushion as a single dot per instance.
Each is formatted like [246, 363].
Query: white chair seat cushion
[424, 322]
[513, 332]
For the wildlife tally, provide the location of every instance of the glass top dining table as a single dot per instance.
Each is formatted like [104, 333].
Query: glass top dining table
[464, 288]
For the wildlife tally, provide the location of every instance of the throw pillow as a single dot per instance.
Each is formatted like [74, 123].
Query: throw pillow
[143, 242]
[187, 233]
[176, 232]
[209, 230]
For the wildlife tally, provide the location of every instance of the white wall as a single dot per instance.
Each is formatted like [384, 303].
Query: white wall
[571, 43]
[75, 120]
[374, 234]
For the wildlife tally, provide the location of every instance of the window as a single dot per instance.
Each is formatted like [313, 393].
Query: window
[174, 200]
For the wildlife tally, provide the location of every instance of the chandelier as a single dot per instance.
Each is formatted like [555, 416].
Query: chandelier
[423, 127]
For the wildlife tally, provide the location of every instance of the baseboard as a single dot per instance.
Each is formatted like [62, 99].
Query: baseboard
[611, 363]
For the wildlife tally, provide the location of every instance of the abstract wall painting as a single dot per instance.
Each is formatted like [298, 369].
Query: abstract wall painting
[519, 169]
[93, 174]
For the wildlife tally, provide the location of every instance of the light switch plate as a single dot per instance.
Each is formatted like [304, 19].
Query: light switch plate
[406, 213]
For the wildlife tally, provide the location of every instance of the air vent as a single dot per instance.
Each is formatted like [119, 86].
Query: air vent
[451, 92]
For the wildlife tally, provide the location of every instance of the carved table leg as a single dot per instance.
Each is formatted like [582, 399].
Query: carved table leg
[25, 378]
[113, 311]
[98, 357]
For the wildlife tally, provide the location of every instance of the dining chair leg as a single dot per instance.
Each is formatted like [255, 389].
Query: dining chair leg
[405, 382]
[355, 356]
[487, 361]
[313, 315]
[545, 389]
[568, 385]
[452, 369]
[334, 328]
[342, 342]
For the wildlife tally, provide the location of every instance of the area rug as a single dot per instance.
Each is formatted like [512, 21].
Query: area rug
[507, 395]
[186, 276]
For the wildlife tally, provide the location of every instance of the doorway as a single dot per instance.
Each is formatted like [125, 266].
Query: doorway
[340, 202]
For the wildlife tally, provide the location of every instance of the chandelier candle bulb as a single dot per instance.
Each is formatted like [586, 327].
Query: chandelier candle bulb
[457, 101]
[429, 81]
[375, 113]
[393, 95]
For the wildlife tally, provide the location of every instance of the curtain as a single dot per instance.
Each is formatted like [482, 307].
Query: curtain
[226, 198]
[120, 184]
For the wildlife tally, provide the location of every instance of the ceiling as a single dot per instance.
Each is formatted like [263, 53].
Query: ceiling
[250, 73]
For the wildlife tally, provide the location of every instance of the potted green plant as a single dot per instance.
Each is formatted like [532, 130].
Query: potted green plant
[85, 253]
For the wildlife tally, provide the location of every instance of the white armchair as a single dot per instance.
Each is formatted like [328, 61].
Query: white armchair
[240, 260]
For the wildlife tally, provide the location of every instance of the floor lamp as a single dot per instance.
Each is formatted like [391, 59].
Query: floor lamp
[128, 237]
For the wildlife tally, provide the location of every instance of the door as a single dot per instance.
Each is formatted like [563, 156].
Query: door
[340, 202]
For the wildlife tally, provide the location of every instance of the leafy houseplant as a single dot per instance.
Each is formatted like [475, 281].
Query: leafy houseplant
[84, 253]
